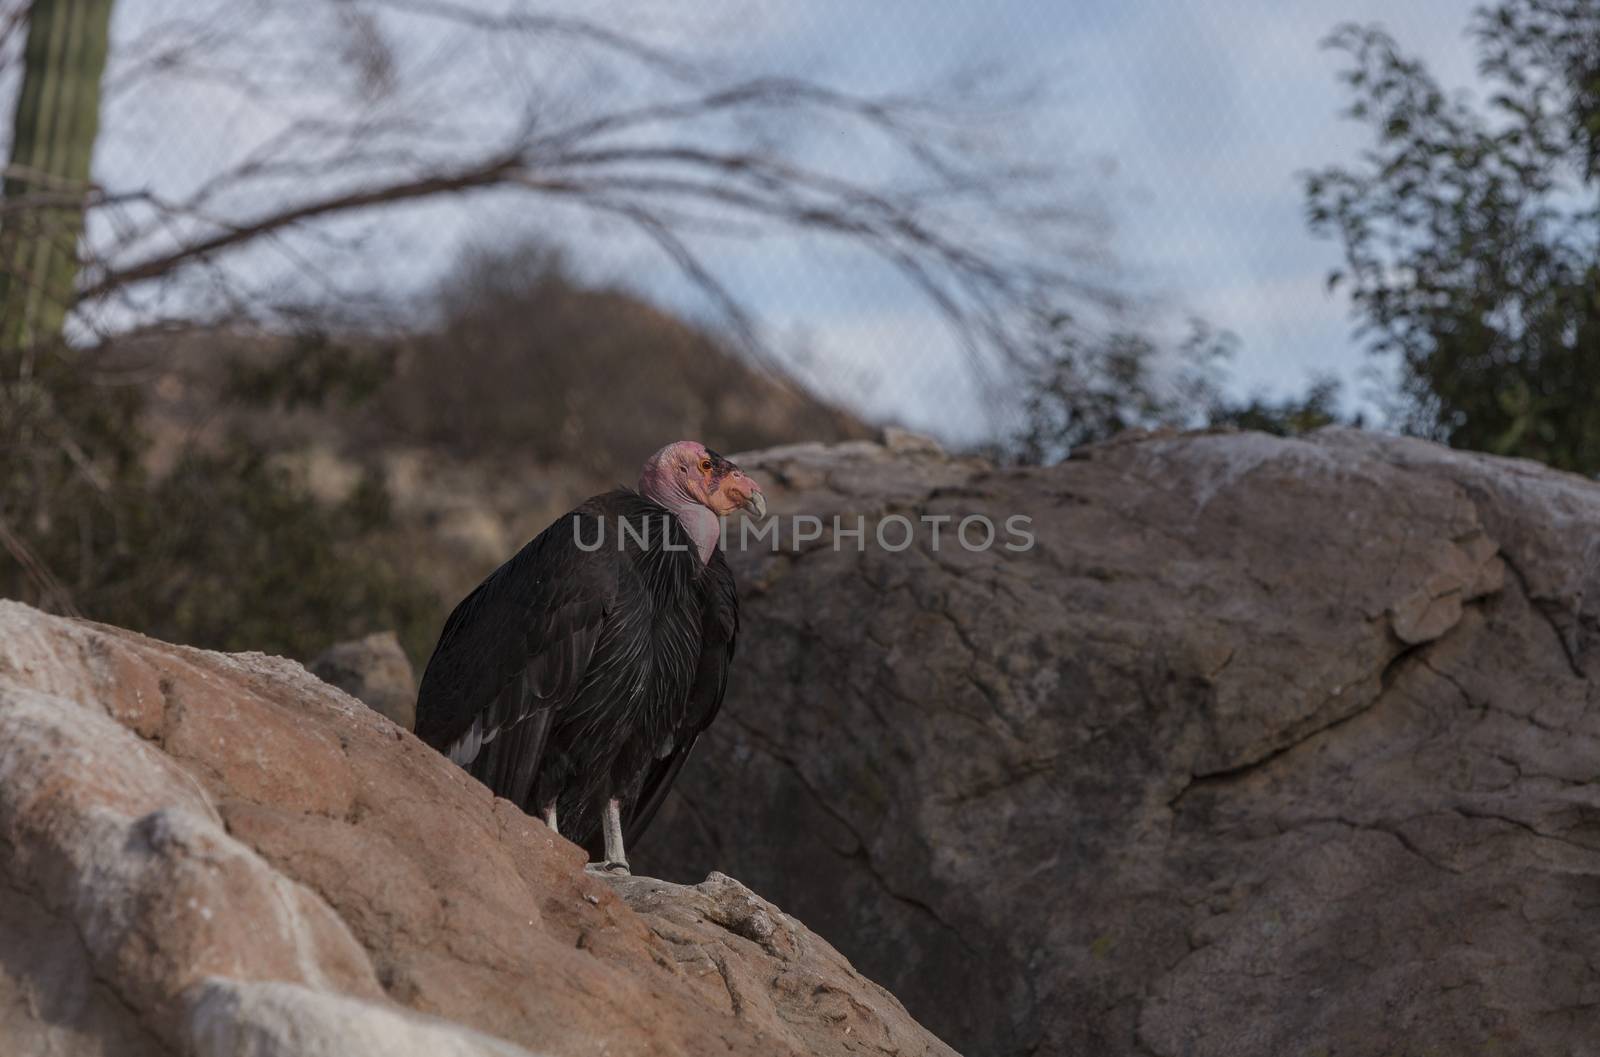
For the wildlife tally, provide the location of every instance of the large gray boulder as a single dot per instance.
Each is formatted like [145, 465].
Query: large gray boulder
[1266, 747]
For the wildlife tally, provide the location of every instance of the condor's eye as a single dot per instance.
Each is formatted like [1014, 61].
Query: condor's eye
[705, 465]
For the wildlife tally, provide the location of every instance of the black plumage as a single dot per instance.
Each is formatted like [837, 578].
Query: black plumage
[572, 676]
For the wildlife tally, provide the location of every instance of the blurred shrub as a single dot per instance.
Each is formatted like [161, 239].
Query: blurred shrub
[150, 482]
[228, 551]
[314, 371]
[1289, 416]
[224, 550]
[1082, 388]
[526, 363]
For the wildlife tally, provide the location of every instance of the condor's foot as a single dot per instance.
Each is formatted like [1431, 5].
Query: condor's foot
[616, 869]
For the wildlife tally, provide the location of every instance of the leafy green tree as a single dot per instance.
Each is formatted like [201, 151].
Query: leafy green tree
[1471, 231]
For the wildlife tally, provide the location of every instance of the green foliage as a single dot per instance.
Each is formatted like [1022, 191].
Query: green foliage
[226, 550]
[1081, 390]
[1317, 407]
[313, 372]
[1471, 234]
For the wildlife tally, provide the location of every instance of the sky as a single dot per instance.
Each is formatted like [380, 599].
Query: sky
[1190, 120]
[1203, 113]
[1187, 120]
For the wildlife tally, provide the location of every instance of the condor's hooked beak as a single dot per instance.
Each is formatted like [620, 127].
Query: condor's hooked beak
[736, 490]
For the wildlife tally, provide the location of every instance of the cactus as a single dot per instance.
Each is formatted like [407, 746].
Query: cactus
[57, 117]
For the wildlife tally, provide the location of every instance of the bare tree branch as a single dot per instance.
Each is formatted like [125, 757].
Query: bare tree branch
[983, 232]
[495, 171]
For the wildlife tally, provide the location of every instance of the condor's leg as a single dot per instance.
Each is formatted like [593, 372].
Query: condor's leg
[616, 859]
[549, 816]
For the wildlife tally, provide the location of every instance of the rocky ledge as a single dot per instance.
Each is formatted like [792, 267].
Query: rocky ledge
[207, 854]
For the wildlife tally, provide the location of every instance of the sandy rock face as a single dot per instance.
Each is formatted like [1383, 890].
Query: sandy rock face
[217, 854]
[1266, 747]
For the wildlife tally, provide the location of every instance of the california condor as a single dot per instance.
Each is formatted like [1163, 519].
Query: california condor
[575, 680]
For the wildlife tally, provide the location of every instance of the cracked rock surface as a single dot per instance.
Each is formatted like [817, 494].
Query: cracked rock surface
[212, 854]
[1267, 747]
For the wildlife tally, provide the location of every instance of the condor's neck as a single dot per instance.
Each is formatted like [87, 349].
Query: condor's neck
[700, 523]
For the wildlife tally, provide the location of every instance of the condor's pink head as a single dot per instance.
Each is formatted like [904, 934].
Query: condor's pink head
[688, 474]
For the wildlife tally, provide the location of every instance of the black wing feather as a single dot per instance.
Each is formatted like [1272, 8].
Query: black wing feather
[719, 630]
[507, 762]
[511, 654]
